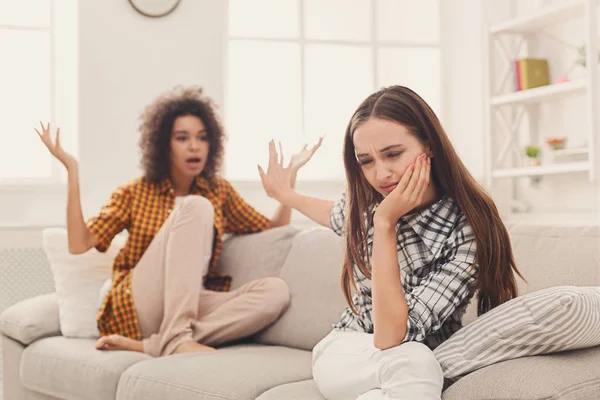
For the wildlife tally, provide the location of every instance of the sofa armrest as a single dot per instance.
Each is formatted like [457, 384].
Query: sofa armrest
[31, 319]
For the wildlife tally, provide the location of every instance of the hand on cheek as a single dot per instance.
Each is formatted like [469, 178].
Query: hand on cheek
[408, 194]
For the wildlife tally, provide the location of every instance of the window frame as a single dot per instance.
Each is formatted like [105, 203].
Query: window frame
[57, 179]
[374, 44]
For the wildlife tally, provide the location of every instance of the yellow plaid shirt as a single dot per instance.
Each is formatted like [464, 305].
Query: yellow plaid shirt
[142, 207]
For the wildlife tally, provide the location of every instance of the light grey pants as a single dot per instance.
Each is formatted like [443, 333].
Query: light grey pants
[347, 366]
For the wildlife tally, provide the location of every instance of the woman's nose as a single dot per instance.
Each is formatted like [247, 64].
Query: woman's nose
[382, 172]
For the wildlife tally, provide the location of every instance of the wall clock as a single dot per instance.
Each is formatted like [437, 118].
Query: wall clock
[154, 8]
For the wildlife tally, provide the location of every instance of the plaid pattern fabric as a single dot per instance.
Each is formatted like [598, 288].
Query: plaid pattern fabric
[142, 207]
[436, 256]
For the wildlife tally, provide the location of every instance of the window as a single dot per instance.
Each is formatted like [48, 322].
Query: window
[297, 70]
[38, 77]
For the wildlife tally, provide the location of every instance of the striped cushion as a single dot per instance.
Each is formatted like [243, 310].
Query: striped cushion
[547, 321]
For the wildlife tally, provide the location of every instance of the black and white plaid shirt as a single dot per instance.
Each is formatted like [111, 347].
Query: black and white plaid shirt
[436, 256]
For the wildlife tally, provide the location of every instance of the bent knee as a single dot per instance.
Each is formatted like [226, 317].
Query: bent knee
[421, 357]
[197, 205]
[278, 294]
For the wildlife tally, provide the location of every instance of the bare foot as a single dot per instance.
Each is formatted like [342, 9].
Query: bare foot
[118, 342]
[192, 347]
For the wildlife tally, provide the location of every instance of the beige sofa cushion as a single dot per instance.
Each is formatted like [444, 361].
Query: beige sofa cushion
[74, 369]
[573, 375]
[556, 256]
[313, 273]
[304, 390]
[31, 319]
[254, 256]
[239, 372]
[552, 256]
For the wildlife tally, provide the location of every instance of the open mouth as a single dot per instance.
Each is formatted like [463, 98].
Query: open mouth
[193, 161]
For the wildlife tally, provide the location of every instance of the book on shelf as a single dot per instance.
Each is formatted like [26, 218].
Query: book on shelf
[530, 73]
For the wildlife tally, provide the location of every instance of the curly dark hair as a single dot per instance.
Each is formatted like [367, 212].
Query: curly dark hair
[157, 123]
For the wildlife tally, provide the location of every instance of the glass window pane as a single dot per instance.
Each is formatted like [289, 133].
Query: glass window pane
[415, 68]
[408, 21]
[338, 19]
[337, 80]
[24, 100]
[264, 18]
[25, 12]
[263, 103]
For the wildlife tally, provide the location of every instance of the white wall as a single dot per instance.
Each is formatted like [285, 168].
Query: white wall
[125, 60]
[461, 37]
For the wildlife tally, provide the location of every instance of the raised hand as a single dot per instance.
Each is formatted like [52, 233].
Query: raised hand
[54, 146]
[299, 159]
[277, 179]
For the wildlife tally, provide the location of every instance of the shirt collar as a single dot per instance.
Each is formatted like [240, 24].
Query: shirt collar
[165, 186]
[434, 223]
[201, 185]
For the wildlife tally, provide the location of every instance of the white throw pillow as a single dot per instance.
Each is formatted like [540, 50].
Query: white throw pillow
[78, 279]
[546, 321]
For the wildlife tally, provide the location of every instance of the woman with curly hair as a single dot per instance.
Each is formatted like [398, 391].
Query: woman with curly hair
[165, 295]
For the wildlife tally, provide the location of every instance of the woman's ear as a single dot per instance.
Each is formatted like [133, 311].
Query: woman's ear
[428, 151]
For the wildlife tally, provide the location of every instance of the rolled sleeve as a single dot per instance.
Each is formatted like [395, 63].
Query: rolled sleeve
[337, 215]
[241, 218]
[432, 302]
[113, 218]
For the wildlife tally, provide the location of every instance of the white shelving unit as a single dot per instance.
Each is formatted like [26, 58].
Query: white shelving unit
[548, 16]
[538, 94]
[505, 108]
[562, 168]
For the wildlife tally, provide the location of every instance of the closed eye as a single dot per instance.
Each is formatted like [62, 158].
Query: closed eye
[394, 154]
[364, 161]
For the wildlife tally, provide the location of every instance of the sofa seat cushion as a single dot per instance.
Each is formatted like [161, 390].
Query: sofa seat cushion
[236, 372]
[303, 390]
[572, 375]
[74, 369]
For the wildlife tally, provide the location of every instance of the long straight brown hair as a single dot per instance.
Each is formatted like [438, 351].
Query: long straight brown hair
[494, 259]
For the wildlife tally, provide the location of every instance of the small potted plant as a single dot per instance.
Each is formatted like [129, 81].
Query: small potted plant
[533, 155]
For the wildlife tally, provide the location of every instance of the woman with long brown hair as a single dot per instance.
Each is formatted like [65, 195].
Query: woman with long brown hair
[422, 236]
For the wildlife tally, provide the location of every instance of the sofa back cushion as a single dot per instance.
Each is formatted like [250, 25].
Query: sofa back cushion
[553, 256]
[313, 272]
[310, 261]
[549, 256]
[258, 255]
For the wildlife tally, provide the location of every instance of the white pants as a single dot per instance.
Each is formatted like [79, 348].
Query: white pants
[347, 366]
